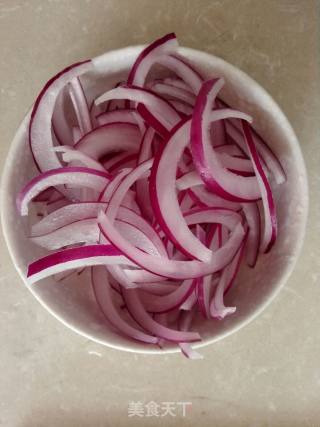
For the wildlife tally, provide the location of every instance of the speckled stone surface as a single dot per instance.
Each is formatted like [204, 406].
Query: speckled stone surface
[268, 374]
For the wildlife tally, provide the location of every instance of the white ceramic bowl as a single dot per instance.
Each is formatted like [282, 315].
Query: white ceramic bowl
[73, 303]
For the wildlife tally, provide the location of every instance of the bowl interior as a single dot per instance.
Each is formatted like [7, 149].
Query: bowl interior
[72, 300]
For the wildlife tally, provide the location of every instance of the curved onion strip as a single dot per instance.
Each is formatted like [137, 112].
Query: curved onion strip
[102, 292]
[87, 231]
[76, 134]
[123, 187]
[148, 57]
[67, 259]
[140, 315]
[80, 105]
[117, 116]
[186, 348]
[160, 109]
[171, 301]
[214, 241]
[266, 153]
[158, 288]
[84, 231]
[142, 276]
[113, 206]
[252, 215]
[130, 162]
[191, 301]
[111, 186]
[140, 122]
[142, 185]
[184, 70]
[270, 218]
[176, 82]
[169, 268]
[77, 176]
[186, 202]
[69, 155]
[173, 92]
[181, 107]
[40, 136]
[164, 198]
[217, 307]
[202, 302]
[60, 125]
[109, 138]
[205, 198]
[82, 211]
[121, 160]
[223, 216]
[217, 178]
[231, 149]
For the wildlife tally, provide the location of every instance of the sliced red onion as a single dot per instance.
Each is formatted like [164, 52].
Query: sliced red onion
[150, 55]
[217, 178]
[268, 156]
[60, 123]
[186, 203]
[142, 185]
[184, 70]
[252, 215]
[73, 213]
[270, 218]
[112, 185]
[231, 149]
[217, 307]
[87, 231]
[188, 180]
[109, 138]
[191, 301]
[182, 107]
[171, 301]
[67, 259]
[142, 276]
[80, 177]
[140, 315]
[158, 288]
[205, 198]
[223, 216]
[51, 207]
[103, 296]
[84, 231]
[164, 198]
[175, 82]
[95, 111]
[173, 92]
[76, 134]
[117, 116]
[80, 105]
[140, 122]
[70, 155]
[121, 160]
[119, 275]
[162, 245]
[40, 136]
[157, 107]
[169, 268]
[186, 348]
[122, 189]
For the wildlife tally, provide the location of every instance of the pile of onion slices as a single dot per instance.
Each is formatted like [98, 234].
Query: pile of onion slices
[156, 186]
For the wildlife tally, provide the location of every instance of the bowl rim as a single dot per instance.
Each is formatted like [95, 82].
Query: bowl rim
[204, 56]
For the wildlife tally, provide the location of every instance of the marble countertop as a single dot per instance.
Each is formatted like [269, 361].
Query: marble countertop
[267, 374]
